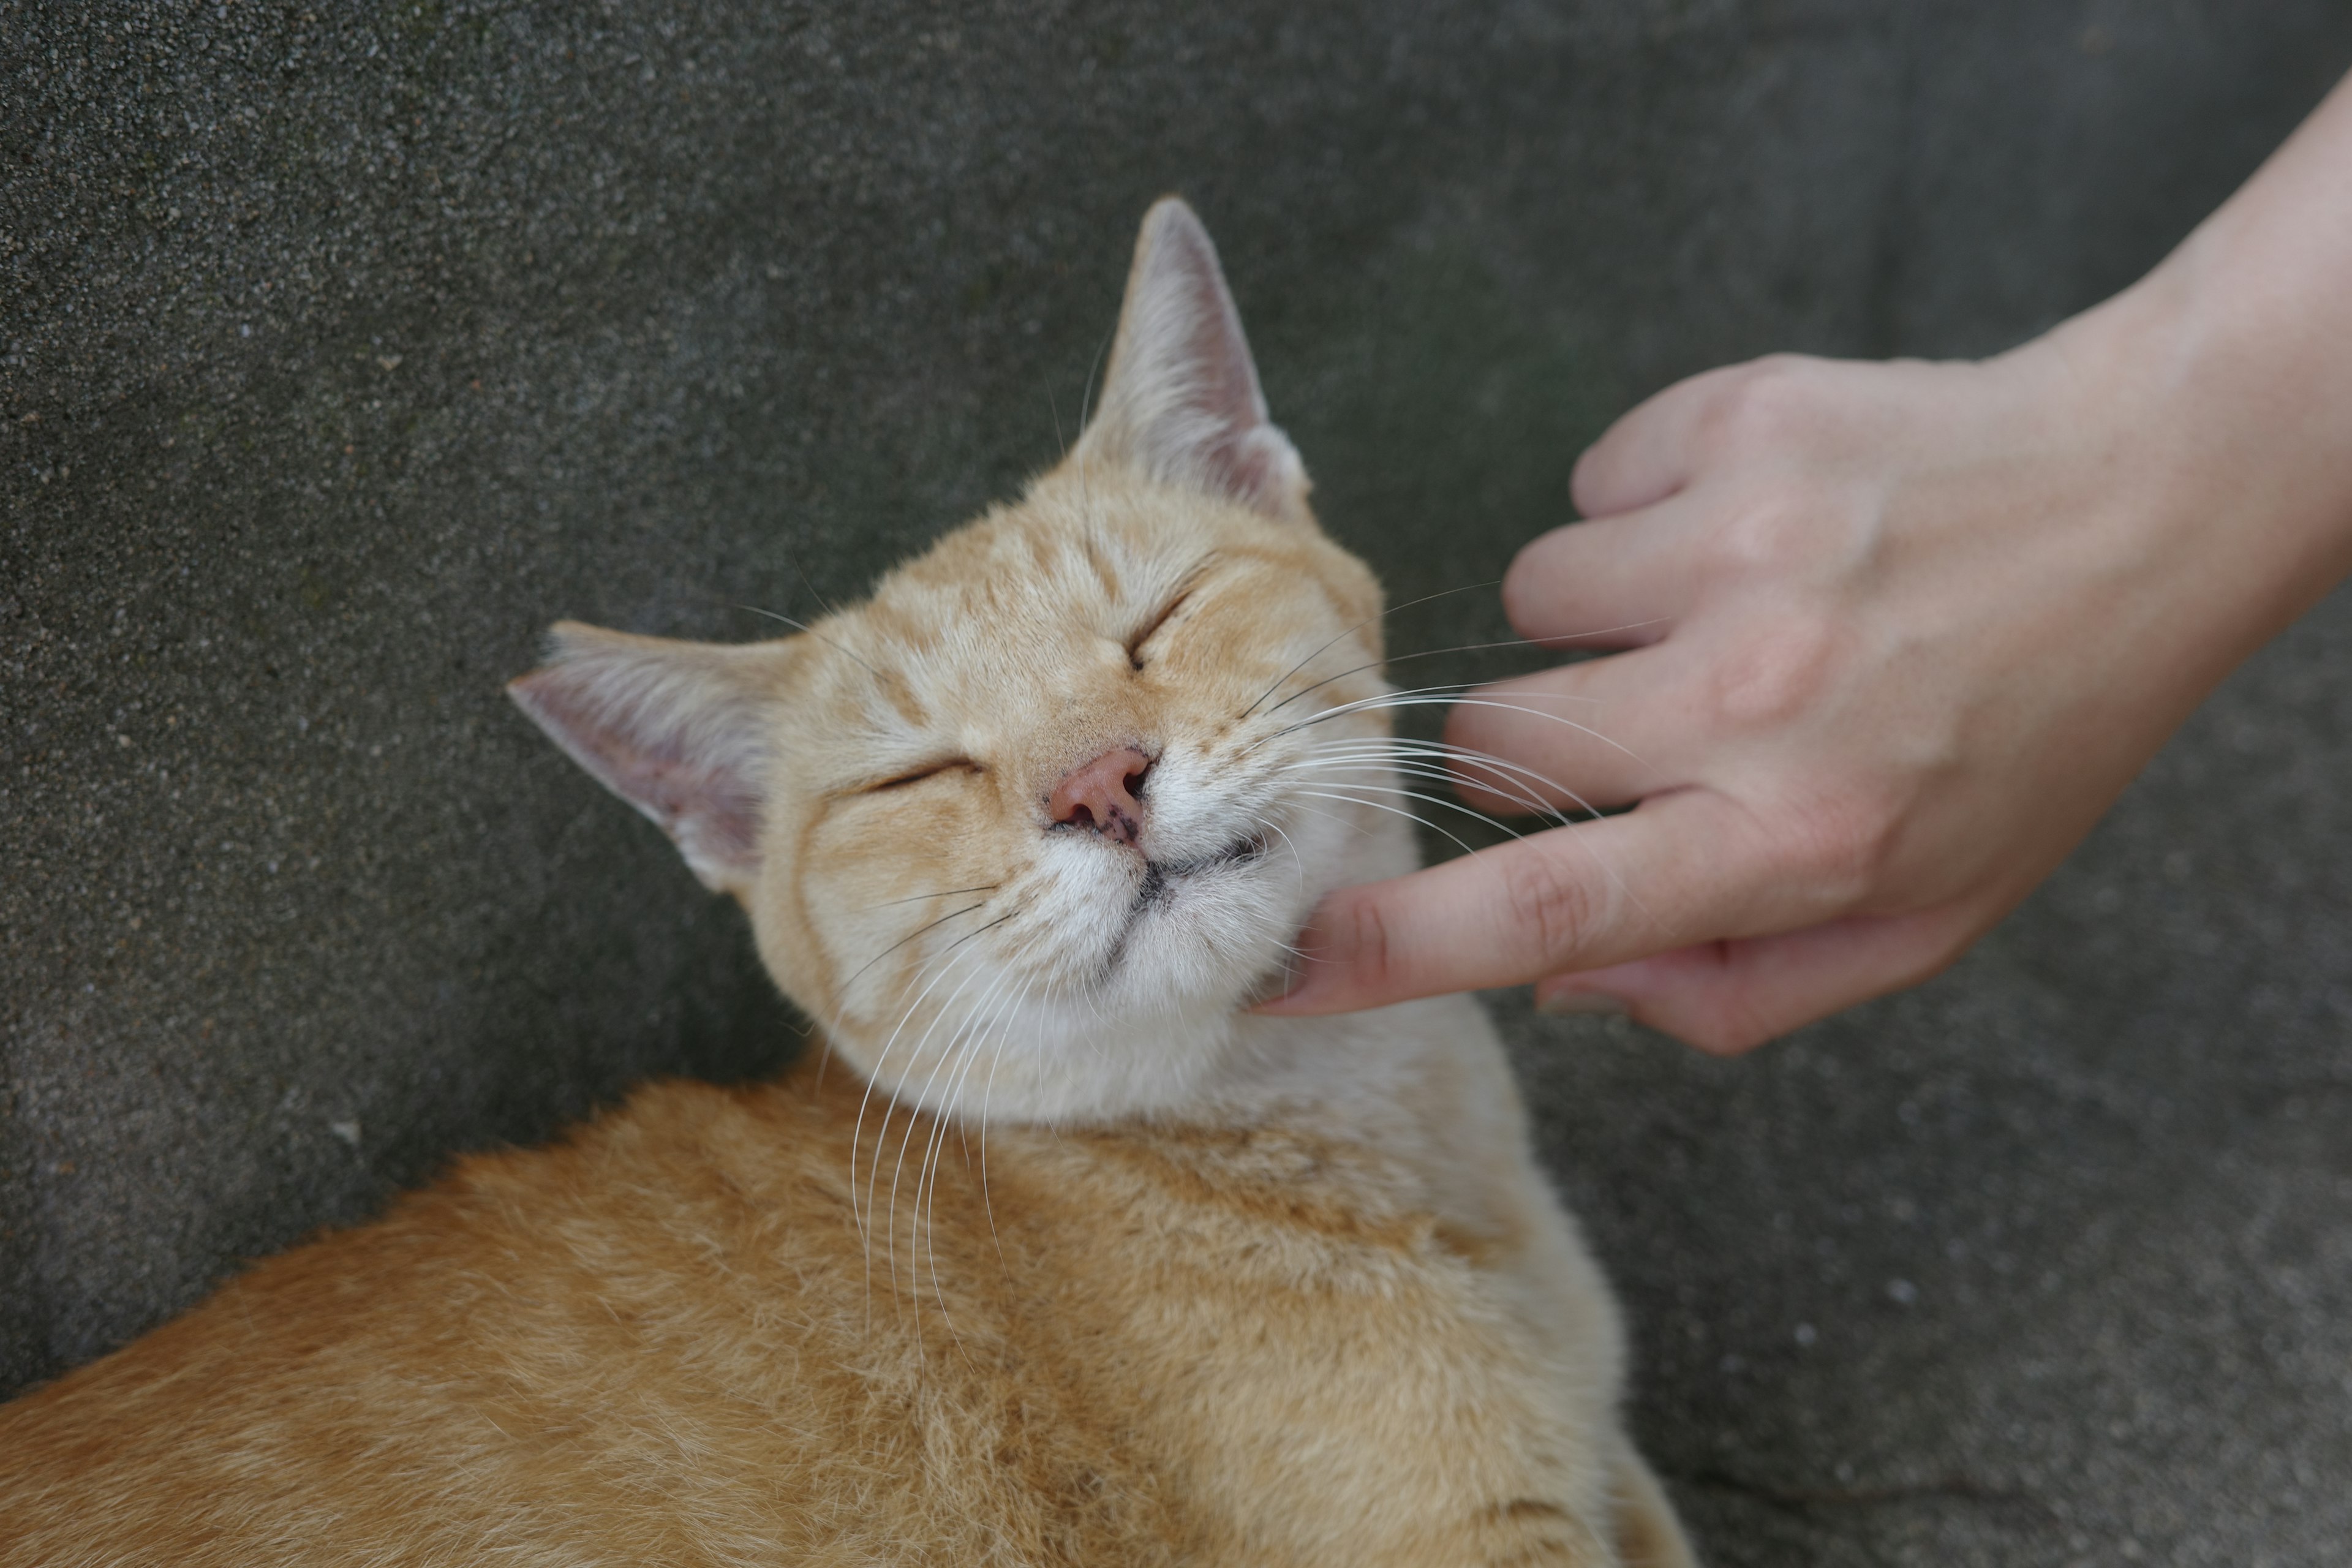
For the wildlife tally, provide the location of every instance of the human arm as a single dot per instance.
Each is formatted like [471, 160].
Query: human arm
[1905, 632]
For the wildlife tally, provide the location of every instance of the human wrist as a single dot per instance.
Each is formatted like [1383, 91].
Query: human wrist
[2231, 358]
[2205, 408]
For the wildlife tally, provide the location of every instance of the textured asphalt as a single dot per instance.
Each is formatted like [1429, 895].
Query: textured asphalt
[341, 348]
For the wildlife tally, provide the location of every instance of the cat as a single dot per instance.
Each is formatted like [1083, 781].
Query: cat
[1051, 1251]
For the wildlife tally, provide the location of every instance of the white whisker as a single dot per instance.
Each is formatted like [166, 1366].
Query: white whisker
[1376, 805]
[937, 1148]
[875, 1074]
[1428, 799]
[1395, 658]
[1359, 625]
[1446, 751]
[1374, 704]
[1450, 774]
[889, 1241]
[922, 1107]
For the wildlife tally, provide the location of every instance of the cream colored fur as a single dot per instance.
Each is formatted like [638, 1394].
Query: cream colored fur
[1058, 1254]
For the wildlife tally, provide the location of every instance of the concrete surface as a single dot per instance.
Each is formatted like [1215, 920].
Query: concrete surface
[340, 349]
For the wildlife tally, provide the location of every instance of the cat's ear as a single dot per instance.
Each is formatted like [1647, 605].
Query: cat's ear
[680, 729]
[1181, 399]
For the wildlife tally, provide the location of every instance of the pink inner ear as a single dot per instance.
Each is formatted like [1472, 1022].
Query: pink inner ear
[1223, 378]
[1183, 401]
[664, 745]
[712, 805]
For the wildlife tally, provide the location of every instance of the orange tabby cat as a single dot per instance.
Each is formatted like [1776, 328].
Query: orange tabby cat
[1067, 1258]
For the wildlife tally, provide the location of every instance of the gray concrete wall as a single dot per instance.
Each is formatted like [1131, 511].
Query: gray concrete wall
[340, 349]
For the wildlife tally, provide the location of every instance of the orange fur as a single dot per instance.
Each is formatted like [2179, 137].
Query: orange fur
[1069, 1257]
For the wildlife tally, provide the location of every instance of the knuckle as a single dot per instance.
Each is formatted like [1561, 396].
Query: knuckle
[1842, 843]
[1728, 1032]
[1556, 909]
[1369, 945]
[1721, 1018]
[1475, 728]
[1767, 537]
[1777, 401]
[1786, 672]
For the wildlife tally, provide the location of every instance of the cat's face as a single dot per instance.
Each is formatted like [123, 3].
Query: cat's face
[1029, 827]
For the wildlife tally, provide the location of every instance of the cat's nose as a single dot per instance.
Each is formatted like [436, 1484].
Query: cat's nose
[1106, 794]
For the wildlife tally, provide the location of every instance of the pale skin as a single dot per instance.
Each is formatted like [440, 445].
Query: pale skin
[1900, 633]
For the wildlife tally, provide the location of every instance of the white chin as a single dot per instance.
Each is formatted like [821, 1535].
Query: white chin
[1210, 944]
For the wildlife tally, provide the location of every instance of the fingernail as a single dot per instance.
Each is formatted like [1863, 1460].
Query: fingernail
[1558, 1003]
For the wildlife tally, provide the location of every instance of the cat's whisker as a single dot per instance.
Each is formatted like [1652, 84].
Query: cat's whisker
[923, 898]
[914, 1114]
[961, 1051]
[1450, 804]
[816, 592]
[1446, 766]
[1464, 648]
[1362, 704]
[1005, 1011]
[1435, 697]
[882, 1133]
[1434, 772]
[922, 1106]
[1455, 759]
[874, 1074]
[803, 625]
[1359, 625]
[1615, 879]
[971, 1049]
[1523, 787]
[952, 960]
[1297, 860]
[1016, 1004]
[1443, 768]
[1416, 794]
[1375, 704]
[1440, 693]
[903, 940]
[1407, 815]
[1085, 400]
[942, 1014]
[987, 1093]
[1356, 828]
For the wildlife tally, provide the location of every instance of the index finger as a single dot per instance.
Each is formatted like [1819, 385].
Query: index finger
[1680, 868]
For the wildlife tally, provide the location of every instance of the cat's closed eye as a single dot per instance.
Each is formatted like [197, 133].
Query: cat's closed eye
[917, 775]
[1151, 629]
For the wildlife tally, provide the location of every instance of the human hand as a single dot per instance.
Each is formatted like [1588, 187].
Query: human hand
[1904, 632]
[1861, 714]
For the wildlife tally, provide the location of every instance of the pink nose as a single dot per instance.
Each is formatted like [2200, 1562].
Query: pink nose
[1103, 795]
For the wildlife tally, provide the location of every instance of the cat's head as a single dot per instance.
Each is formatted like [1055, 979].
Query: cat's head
[1033, 824]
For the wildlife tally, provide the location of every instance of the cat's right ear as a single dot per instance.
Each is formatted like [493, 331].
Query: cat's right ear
[680, 729]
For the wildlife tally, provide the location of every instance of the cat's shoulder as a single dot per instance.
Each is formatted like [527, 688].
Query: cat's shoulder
[672, 1144]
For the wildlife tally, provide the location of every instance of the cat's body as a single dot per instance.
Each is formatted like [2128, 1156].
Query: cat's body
[1059, 1256]
[1303, 1335]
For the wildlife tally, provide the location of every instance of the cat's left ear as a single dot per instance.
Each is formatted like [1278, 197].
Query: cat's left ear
[1181, 400]
[680, 729]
